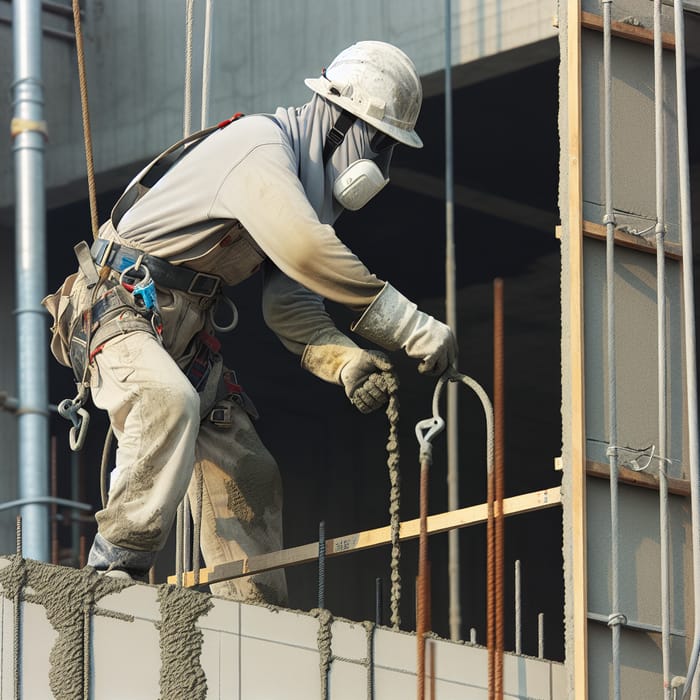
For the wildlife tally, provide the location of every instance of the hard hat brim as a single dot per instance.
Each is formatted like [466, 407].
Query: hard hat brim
[321, 87]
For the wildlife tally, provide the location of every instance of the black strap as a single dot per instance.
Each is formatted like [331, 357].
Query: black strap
[164, 274]
[337, 134]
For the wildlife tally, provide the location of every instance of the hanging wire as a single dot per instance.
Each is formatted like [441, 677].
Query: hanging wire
[181, 539]
[87, 137]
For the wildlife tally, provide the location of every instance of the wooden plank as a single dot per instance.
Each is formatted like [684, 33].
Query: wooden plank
[671, 250]
[442, 522]
[572, 305]
[642, 35]
[679, 487]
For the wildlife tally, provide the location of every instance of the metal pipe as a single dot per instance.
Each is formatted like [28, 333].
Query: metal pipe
[688, 326]
[30, 211]
[518, 611]
[615, 619]
[540, 636]
[661, 350]
[206, 63]
[455, 608]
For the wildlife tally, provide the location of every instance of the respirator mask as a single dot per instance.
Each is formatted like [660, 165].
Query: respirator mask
[365, 178]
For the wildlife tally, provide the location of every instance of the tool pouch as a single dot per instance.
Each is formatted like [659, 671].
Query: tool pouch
[60, 309]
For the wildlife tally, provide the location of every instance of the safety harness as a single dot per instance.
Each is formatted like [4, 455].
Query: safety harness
[134, 291]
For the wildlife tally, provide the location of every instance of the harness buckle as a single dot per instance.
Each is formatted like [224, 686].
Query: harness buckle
[204, 285]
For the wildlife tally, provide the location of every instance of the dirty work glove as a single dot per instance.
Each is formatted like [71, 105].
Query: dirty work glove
[393, 322]
[333, 357]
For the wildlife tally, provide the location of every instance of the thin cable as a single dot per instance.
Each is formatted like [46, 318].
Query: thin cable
[453, 568]
[661, 351]
[87, 137]
[180, 539]
[206, 62]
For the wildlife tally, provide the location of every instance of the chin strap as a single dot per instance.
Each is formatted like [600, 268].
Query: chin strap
[337, 133]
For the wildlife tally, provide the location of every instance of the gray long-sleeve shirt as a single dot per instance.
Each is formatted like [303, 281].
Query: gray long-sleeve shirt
[257, 190]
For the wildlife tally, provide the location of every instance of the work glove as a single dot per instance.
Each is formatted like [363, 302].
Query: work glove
[333, 357]
[393, 322]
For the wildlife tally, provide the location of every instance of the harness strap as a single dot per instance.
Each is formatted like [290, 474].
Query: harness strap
[336, 135]
[165, 274]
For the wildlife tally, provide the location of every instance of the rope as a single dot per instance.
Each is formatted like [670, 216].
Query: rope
[187, 109]
[86, 118]
[392, 447]
[106, 450]
[180, 539]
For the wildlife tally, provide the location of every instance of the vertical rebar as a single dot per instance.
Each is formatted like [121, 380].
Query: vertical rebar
[661, 349]
[518, 610]
[688, 325]
[455, 612]
[54, 507]
[17, 620]
[615, 618]
[378, 602]
[28, 134]
[499, 479]
[321, 565]
[423, 604]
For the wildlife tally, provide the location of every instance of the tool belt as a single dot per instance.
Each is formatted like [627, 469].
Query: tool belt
[165, 274]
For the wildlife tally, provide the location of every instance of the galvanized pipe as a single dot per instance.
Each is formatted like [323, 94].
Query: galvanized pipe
[455, 608]
[30, 258]
[688, 326]
[616, 618]
[661, 351]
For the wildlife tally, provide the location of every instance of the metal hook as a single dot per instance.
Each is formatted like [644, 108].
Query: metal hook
[234, 316]
[72, 410]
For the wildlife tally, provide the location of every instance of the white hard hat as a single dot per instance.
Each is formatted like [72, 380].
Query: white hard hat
[378, 83]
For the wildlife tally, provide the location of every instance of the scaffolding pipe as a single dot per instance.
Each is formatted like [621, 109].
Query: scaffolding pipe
[29, 130]
[518, 611]
[616, 618]
[455, 608]
[688, 326]
[661, 350]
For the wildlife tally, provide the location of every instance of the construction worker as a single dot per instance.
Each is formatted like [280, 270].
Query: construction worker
[258, 194]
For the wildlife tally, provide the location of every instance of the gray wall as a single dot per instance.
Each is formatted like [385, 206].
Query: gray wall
[261, 52]
[633, 176]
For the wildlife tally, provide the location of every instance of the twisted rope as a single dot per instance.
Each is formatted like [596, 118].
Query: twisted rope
[392, 448]
[89, 160]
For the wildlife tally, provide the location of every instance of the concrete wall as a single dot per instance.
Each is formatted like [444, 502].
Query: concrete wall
[261, 52]
[634, 200]
[141, 641]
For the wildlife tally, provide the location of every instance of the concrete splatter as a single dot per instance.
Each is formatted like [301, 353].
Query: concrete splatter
[181, 673]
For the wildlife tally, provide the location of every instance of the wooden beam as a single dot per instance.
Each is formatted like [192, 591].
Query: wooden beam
[679, 487]
[573, 371]
[442, 522]
[671, 250]
[642, 35]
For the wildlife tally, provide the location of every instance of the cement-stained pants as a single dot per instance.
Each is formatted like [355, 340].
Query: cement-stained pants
[155, 414]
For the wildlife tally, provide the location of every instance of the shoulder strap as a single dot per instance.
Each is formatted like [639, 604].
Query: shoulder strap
[159, 166]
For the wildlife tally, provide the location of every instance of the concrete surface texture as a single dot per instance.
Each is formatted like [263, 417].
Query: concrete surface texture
[109, 639]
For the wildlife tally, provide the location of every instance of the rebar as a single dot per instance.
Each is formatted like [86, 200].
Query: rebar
[615, 619]
[661, 350]
[518, 611]
[321, 565]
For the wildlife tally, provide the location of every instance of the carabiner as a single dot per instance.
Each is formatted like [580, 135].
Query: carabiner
[72, 410]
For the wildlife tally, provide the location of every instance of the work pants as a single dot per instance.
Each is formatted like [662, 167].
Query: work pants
[167, 446]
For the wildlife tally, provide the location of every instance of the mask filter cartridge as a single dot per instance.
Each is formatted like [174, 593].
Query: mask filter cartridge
[358, 183]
